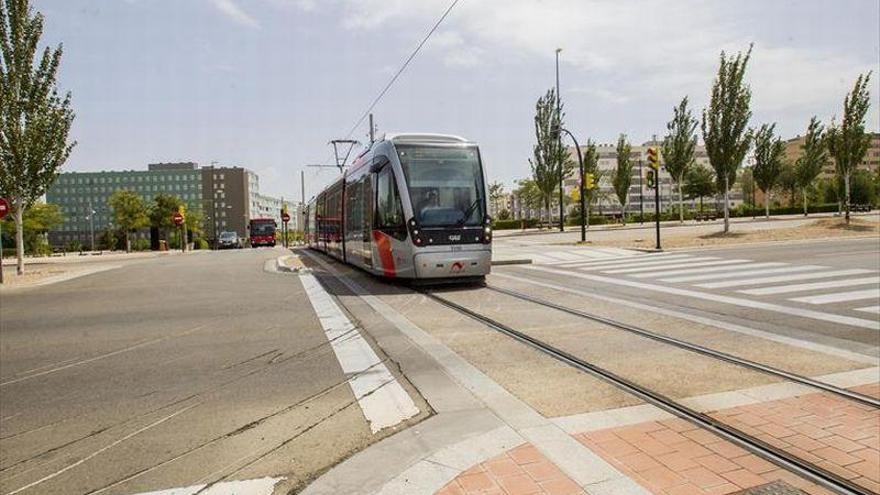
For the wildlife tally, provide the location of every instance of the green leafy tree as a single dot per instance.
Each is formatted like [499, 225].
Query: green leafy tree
[768, 162]
[699, 183]
[129, 213]
[550, 162]
[678, 148]
[529, 195]
[591, 166]
[848, 141]
[163, 208]
[788, 182]
[34, 118]
[496, 192]
[747, 184]
[813, 157]
[37, 221]
[725, 124]
[622, 178]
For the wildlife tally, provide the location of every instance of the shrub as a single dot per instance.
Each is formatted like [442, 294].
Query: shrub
[140, 245]
[73, 246]
[200, 244]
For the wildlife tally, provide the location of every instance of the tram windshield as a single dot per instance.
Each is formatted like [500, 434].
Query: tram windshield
[445, 184]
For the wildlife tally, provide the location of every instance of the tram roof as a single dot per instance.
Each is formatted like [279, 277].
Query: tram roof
[423, 138]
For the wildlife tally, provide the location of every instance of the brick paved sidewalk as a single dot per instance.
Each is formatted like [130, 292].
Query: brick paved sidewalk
[673, 457]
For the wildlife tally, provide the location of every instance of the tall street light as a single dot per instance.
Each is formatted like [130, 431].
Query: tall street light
[559, 146]
[559, 130]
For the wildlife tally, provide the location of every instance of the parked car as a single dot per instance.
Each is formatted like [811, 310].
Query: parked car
[229, 240]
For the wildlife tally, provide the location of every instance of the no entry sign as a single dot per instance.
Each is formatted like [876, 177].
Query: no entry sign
[4, 208]
[177, 218]
[285, 217]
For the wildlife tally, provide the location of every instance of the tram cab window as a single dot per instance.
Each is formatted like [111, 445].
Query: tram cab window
[389, 210]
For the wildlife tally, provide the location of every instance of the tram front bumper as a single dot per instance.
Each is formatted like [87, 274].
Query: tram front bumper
[453, 264]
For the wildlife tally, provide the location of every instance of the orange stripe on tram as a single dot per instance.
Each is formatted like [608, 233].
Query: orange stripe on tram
[383, 245]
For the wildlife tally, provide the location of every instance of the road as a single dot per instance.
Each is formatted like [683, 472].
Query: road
[822, 292]
[169, 372]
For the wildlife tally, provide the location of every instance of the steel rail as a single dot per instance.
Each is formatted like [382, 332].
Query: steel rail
[773, 454]
[770, 370]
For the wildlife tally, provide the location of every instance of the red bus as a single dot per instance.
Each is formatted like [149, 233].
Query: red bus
[262, 232]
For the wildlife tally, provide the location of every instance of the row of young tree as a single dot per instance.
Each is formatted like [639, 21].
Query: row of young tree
[727, 137]
[128, 214]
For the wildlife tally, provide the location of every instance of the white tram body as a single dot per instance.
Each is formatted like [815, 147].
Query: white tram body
[410, 206]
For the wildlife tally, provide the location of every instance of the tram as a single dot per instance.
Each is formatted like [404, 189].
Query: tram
[411, 206]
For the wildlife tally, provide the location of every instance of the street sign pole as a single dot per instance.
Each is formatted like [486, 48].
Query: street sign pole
[657, 208]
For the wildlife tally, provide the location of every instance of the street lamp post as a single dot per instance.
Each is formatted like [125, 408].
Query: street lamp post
[559, 146]
[641, 195]
[92, 225]
[583, 202]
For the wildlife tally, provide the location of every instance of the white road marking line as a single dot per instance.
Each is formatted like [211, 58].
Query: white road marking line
[782, 278]
[565, 255]
[870, 309]
[708, 267]
[736, 301]
[103, 449]
[855, 295]
[783, 289]
[655, 265]
[259, 486]
[744, 273]
[633, 258]
[711, 322]
[383, 406]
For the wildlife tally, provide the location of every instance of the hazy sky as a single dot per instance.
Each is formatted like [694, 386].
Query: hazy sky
[265, 84]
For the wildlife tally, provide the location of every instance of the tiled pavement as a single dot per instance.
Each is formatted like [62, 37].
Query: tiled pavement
[673, 457]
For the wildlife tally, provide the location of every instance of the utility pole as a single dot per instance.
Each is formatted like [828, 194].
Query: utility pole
[559, 146]
[372, 130]
[214, 205]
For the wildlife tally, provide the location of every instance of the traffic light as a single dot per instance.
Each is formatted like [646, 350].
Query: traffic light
[650, 179]
[653, 158]
[588, 182]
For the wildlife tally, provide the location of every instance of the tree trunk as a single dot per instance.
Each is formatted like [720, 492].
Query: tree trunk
[726, 204]
[127, 242]
[701, 204]
[19, 236]
[805, 201]
[846, 186]
[767, 205]
[680, 202]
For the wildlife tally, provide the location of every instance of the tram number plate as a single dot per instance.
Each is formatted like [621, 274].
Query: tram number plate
[455, 249]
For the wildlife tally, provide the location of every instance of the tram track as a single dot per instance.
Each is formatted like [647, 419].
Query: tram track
[776, 455]
[696, 348]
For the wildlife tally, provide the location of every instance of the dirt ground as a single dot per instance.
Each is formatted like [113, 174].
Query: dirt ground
[826, 228]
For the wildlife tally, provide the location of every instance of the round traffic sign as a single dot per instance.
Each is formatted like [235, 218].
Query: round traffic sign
[177, 218]
[285, 217]
[4, 207]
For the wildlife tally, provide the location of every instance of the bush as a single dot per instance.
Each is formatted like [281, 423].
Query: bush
[514, 224]
[200, 244]
[140, 245]
[73, 246]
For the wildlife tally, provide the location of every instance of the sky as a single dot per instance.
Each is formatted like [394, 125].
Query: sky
[266, 84]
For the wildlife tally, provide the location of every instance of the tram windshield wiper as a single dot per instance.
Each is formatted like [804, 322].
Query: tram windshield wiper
[469, 211]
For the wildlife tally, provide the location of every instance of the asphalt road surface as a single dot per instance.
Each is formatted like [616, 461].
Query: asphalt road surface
[169, 372]
[825, 292]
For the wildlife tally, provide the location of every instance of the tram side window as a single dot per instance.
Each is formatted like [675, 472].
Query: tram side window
[389, 210]
[354, 211]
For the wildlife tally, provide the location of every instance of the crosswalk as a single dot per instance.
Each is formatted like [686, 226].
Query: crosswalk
[846, 291]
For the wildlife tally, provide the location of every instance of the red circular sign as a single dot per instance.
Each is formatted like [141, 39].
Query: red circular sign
[177, 218]
[4, 207]
[285, 217]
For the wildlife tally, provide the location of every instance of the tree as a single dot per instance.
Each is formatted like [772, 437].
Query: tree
[529, 195]
[591, 167]
[768, 162]
[622, 179]
[813, 157]
[725, 124]
[37, 221]
[788, 183]
[34, 119]
[678, 148]
[496, 192]
[747, 181]
[129, 213]
[848, 141]
[699, 183]
[163, 208]
[550, 163]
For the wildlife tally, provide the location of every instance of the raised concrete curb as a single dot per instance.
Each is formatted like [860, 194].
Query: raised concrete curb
[523, 261]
